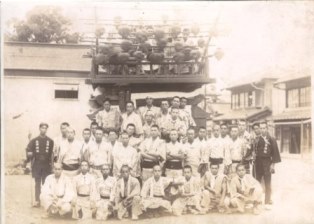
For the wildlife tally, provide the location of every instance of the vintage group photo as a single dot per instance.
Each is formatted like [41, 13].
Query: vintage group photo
[154, 112]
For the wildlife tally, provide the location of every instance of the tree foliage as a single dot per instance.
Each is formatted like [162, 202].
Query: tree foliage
[44, 24]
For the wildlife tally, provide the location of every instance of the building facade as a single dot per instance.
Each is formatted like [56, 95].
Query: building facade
[293, 126]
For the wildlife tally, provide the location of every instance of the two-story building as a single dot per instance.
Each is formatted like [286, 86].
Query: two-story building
[293, 127]
[249, 101]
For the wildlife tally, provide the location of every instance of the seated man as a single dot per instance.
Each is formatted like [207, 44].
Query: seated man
[127, 196]
[84, 188]
[105, 189]
[190, 194]
[214, 188]
[57, 193]
[152, 153]
[244, 190]
[153, 191]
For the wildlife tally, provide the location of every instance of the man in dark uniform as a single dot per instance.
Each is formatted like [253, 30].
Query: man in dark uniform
[40, 154]
[267, 154]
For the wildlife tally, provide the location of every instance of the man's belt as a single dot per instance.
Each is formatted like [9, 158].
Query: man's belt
[148, 164]
[70, 167]
[236, 161]
[60, 196]
[104, 197]
[83, 195]
[173, 164]
[216, 160]
[158, 196]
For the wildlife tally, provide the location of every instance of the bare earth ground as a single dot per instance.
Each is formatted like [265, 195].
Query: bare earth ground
[293, 196]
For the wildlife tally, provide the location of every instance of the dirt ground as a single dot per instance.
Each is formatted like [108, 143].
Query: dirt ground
[293, 196]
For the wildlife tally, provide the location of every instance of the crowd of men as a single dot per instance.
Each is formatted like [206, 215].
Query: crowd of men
[150, 161]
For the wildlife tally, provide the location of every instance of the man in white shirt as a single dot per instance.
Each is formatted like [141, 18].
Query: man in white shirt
[125, 154]
[152, 153]
[85, 192]
[174, 122]
[244, 190]
[108, 118]
[149, 107]
[202, 140]
[153, 191]
[86, 144]
[163, 117]
[218, 152]
[131, 117]
[175, 156]
[175, 103]
[187, 111]
[149, 121]
[192, 149]
[105, 194]
[57, 193]
[237, 149]
[70, 154]
[60, 139]
[247, 138]
[190, 194]
[99, 153]
[93, 127]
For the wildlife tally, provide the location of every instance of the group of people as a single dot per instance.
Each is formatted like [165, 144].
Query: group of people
[152, 160]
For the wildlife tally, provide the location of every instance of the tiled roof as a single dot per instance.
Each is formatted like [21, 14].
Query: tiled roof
[293, 114]
[244, 114]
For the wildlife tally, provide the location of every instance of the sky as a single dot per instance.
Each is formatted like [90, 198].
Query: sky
[259, 39]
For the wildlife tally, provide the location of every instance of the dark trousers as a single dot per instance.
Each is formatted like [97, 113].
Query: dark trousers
[40, 177]
[262, 167]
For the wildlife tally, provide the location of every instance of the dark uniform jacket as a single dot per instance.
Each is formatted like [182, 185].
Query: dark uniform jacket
[39, 152]
[267, 149]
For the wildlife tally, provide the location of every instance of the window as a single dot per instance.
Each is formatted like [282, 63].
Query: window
[243, 100]
[66, 91]
[299, 97]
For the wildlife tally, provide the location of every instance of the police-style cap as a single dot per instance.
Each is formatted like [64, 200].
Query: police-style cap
[42, 124]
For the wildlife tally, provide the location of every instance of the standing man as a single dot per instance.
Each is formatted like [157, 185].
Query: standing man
[60, 140]
[218, 152]
[40, 154]
[108, 118]
[149, 121]
[86, 144]
[175, 156]
[257, 134]
[57, 193]
[152, 153]
[192, 149]
[105, 188]
[163, 116]
[124, 154]
[99, 153]
[245, 135]
[267, 154]
[127, 196]
[187, 111]
[93, 127]
[70, 155]
[237, 147]
[174, 122]
[202, 140]
[148, 107]
[175, 103]
[84, 193]
[131, 117]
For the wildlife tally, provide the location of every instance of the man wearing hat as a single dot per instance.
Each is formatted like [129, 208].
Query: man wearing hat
[148, 107]
[40, 154]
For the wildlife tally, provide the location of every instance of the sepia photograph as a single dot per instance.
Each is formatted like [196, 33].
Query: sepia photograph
[157, 112]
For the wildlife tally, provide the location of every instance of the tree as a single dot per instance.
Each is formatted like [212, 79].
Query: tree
[44, 24]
